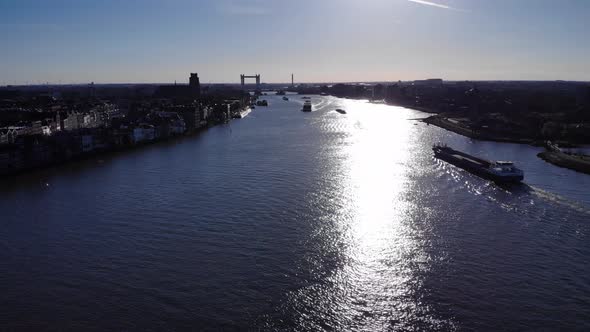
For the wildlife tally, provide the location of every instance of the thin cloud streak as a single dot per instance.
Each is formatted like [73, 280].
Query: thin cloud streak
[438, 5]
[433, 4]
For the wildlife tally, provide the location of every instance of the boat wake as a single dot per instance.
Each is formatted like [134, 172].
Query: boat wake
[559, 200]
[509, 196]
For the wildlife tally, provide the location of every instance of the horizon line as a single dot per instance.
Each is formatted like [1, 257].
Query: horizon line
[289, 83]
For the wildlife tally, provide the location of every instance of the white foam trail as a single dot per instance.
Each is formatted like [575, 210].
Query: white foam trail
[555, 198]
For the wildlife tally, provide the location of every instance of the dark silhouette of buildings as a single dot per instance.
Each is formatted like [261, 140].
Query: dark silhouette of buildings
[194, 82]
[190, 91]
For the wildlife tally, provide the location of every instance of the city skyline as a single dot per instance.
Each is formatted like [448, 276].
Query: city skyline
[330, 41]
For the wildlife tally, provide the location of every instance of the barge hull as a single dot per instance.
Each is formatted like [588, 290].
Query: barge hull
[474, 165]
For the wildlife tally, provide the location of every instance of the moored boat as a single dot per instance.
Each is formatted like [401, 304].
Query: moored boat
[497, 171]
[242, 114]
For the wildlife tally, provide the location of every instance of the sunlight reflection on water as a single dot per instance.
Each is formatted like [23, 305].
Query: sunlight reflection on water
[287, 220]
[382, 258]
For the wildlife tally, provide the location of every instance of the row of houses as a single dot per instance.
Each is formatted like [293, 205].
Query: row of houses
[99, 116]
[81, 134]
[105, 116]
[9, 134]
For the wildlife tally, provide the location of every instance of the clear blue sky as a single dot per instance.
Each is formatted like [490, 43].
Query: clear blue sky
[78, 41]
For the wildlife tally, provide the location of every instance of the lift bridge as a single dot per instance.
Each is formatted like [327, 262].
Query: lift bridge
[244, 77]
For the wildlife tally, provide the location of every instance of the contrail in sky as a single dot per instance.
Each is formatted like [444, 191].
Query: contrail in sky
[428, 3]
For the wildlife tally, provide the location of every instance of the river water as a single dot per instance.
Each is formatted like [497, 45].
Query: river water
[287, 220]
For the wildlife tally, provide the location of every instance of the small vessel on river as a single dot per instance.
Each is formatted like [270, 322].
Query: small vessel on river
[307, 106]
[285, 98]
[341, 111]
[242, 113]
[497, 171]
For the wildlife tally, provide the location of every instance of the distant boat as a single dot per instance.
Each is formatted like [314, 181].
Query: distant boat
[307, 106]
[285, 98]
[305, 97]
[497, 171]
[242, 114]
[341, 111]
[262, 103]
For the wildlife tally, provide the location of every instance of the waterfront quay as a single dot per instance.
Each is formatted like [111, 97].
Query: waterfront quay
[44, 126]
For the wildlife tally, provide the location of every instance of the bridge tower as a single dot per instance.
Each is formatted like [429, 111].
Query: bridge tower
[244, 77]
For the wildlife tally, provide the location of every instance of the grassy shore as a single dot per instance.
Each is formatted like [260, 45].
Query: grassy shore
[580, 163]
[443, 122]
[575, 162]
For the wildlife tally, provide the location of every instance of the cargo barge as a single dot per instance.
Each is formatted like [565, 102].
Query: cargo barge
[497, 171]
